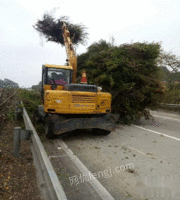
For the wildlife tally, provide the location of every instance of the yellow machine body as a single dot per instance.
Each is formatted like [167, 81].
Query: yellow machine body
[72, 102]
[62, 101]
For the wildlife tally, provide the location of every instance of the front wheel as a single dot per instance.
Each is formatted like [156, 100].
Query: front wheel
[98, 131]
[49, 128]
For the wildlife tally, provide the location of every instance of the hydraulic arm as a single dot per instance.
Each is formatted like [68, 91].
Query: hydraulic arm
[71, 55]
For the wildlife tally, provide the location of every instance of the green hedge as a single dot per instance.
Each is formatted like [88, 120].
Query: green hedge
[129, 72]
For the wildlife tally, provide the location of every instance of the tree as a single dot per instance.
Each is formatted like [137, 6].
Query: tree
[170, 60]
[172, 78]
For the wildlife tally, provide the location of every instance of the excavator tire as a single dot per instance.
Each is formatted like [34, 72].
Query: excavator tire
[98, 131]
[49, 128]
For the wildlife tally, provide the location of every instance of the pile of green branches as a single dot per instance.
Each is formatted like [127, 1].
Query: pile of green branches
[129, 72]
[51, 29]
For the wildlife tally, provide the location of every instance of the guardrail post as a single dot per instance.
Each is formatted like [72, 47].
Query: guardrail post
[16, 112]
[20, 135]
[17, 142]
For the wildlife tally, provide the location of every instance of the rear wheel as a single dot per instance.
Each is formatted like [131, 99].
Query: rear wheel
[49, 128]
[98, 131]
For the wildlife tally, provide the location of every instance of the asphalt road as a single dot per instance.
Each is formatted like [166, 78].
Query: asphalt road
[133, 162]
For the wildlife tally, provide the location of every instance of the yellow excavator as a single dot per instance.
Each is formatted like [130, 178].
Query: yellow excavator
[67, 106]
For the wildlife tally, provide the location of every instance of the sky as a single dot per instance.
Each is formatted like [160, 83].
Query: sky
[23, 51]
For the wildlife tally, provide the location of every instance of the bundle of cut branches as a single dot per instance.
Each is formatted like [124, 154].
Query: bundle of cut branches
[51, 29]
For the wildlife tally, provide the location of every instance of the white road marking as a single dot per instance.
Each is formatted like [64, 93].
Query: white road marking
[55, 156]
[103, 193]
[67, 155]
[167, 117]
[145, 154]
[165, 135]
[137, 150]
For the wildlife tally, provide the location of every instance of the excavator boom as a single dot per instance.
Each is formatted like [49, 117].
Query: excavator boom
[71, 55]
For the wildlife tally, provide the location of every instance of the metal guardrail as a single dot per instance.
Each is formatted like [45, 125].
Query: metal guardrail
[47, 179]
[170, 105]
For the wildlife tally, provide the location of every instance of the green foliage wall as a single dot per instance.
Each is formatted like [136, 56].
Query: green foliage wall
[129, 72]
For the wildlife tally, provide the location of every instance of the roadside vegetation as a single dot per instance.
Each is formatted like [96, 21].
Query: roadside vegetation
[17, 175]
[129, 72]
[172, 94]
[7, 104]
[30, 99]
[170, 78]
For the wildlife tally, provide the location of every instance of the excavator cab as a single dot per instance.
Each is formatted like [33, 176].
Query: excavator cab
[55, 77]
[61, 75]
[58, 76]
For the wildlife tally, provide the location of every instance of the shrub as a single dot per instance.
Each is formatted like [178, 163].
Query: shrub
[129, 72]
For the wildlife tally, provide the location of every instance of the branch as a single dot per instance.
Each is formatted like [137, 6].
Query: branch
[7, 99]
